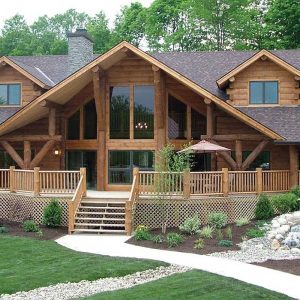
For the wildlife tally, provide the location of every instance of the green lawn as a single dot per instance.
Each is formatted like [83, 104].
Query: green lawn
[192, 285]
[26, 264]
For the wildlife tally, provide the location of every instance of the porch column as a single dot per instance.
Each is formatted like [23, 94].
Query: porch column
[99, 86]
[210, 126]
[238, 154]
[27, 154]
[294, 165]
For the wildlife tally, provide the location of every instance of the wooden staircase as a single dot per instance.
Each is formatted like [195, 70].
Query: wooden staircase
[100, 216]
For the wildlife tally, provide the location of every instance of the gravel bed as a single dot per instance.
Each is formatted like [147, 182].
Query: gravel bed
[85, 288]
[257, 250]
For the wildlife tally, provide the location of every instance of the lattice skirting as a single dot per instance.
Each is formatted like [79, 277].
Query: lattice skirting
[154, 213]
[17, 207]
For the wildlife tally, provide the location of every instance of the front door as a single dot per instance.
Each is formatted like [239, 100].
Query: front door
[76, 159]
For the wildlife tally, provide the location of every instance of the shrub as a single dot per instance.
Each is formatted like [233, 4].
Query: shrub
[199, 244]
[219, 234]
[52, 214]
[39, 233]
[228, 232]
[264, 209]
[3, 229]
[191, 225]
[217, 220]
[285, 203]
[157, 239]
[174, 239]
[206, 232]
[30, 226]
[225, 243]
[142, 233]
[296, 190]
[242, 222]
[255, 233]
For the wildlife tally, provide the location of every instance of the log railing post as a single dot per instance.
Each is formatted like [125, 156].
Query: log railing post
[186, 184]
[83, 173]
[225, 181]
[36, 182]
[259, 181]
[12, 179]
[128, 217]
[136, 174]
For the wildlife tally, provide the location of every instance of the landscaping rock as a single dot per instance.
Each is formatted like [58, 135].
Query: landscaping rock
[295, 228]
[275, 245]
[279, 237]
[295, 250]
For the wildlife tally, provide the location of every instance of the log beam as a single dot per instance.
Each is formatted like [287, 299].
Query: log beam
[253, 155]
[12, 152]
[238, 154]
[234, 137]
[294, 165]
[42, 153]
[30, 138]
[50, 104]
[27, 154]
[228, 159]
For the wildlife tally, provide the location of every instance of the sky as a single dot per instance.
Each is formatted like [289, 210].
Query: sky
[32, 9]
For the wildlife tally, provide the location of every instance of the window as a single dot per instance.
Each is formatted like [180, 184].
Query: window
[261, 161]
[10, 94]
[121, 164]
[177, 116]
[263, 92]
[120, 112]
[198, 125]
[74, 127]
[90, 120]
[143, 112]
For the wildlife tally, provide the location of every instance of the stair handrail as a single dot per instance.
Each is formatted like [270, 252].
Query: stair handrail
[77, 197]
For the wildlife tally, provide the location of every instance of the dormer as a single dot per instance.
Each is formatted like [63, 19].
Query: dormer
[263, 80]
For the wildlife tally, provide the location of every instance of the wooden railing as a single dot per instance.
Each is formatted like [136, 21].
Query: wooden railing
[75, 202]
[206, 183]
[4, 179]
[23, 180]
[242, 182]
[276, 181]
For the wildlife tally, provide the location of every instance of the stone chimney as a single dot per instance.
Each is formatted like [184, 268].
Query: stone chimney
[80, 49]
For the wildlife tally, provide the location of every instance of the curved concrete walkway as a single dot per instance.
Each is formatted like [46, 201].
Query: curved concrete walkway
[114, 245]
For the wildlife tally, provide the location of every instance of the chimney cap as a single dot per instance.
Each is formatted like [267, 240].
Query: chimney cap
[80, 32]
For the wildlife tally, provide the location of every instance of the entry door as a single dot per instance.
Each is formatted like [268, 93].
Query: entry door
[76, 159]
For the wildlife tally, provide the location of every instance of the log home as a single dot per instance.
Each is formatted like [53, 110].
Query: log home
[113, 112]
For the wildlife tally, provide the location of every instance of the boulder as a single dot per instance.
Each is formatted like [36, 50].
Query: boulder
[295, 228]
[294, 218]
[279, 237]
[275, 245]
[283, 229]
[275, 224]
[282, 220]
[295, 250]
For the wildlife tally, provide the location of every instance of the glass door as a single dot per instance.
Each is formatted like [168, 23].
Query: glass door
[76, 159]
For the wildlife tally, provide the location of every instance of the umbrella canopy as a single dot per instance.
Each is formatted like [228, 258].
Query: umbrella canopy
[205, 147]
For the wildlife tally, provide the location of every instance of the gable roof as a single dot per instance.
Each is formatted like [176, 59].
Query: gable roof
[56, 94]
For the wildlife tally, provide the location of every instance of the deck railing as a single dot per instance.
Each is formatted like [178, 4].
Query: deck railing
[213, 183]
[4, 179]
[23, 180]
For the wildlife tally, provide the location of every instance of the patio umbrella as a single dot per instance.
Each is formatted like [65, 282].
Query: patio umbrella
[205, 147]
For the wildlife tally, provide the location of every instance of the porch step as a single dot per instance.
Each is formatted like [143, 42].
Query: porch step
[100, 213]
[100, 231]
[101, 207]
[99, 225]
[100, 219]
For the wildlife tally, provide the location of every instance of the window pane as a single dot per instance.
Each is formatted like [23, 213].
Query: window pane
[198, 125]
[14, 94]
[177, 119]
[256, 92]
[119, 167]
[3, 94]
[143, 159]
[74, 127]
[119, 113]
[144, 112]
[271, 92]
[90, 120]
[119, 159]
[262, 160]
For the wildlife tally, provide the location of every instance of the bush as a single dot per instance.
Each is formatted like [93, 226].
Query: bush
[206, 232]
[199, 244]
[255, 233]
[217, 220]
[285, 203]
[225, 243]
[191, 225]
[157, 239]
[264, 209]
[3, 229]
[142, 233]
[296, 190]
[39, 233]
[242, 222]
[228, 232]
[52, 214]
[30, 226]
[174, 239]
[219, 234]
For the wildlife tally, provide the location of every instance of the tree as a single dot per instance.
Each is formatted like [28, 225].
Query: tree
[130, 24]
[283, 24]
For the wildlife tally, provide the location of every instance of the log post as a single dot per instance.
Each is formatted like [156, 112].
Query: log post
[128, 217]
[225, 182]
[52, 120]
[294, 165]
[186, 184]
[12, 179]
[259, 181]
[136, 173]
[83, 173]
[27, 154]
[238, 154]
[36, 182]
[209, 118]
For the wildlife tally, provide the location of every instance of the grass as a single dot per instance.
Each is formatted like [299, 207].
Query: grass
[27, 263]
[192, 285]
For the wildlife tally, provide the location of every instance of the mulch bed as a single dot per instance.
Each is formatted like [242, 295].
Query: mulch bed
[289, 266]
[15, 228]
[210, 245]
